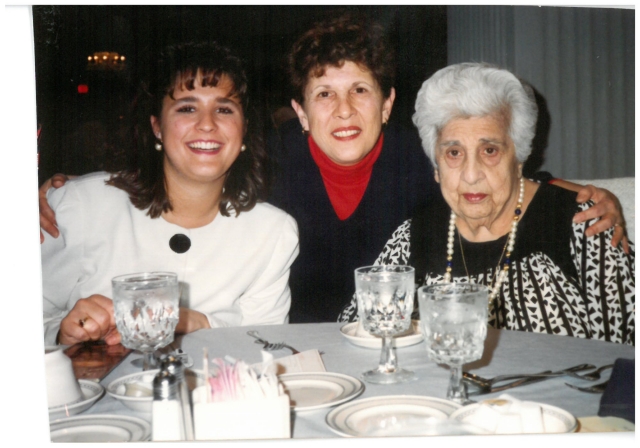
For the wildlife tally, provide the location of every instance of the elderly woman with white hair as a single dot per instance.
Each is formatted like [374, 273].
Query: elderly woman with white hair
[492, 226]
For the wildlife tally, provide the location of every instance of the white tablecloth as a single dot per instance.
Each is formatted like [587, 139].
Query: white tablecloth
[505, 352]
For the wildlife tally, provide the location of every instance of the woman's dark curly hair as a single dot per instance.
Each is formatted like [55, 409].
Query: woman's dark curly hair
[332, 42]
[180, 66]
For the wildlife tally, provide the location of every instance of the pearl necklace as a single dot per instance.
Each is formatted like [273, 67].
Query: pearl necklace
[495, 290]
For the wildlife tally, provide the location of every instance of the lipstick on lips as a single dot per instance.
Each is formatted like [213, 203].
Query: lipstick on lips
[346, 133]
[474, 198]
[205, 146]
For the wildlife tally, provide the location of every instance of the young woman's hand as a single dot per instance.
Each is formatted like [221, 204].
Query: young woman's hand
[91, 319]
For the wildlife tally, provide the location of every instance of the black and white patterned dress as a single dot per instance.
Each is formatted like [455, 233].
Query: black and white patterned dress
[560, 281]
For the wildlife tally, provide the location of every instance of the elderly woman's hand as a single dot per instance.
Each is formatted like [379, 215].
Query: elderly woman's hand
[608, 209]
[190, 321]
[47, 216]
[90, 319]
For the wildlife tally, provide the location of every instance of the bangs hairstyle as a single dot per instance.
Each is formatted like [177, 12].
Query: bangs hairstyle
[180, 67]
[333, 42]
[475, 90]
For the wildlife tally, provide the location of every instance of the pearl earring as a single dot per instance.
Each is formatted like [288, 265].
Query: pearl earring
[243, 147]
[158, 146]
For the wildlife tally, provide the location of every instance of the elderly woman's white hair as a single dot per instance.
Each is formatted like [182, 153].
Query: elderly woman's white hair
[475, 90]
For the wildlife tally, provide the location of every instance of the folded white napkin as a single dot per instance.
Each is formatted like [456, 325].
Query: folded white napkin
[307, 361]
[508, 415]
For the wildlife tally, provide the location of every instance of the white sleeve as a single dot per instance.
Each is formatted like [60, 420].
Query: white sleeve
[607, 276]
[268, 298]
[61, 259]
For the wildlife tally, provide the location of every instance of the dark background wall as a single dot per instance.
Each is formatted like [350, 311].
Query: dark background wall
[80, 131]
[581, 62]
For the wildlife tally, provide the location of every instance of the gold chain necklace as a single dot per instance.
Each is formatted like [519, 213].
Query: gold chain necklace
[495, 277]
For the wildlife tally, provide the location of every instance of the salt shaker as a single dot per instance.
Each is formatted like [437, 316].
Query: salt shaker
[166, 410]
[174, 365]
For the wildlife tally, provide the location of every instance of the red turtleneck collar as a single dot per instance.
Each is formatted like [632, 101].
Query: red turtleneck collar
[345, 185]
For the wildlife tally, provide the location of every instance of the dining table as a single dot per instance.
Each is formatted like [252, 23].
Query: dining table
[505, 352]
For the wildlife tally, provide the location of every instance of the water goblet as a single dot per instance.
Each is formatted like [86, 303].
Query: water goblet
[385, 296]
[453, 317]
[146, 309]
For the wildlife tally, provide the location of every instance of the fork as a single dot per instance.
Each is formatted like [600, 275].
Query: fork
[271, 346]
[590, 376]
[595, 389]
[487, 384]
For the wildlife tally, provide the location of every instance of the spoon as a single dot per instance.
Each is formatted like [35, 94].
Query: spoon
[486, 384]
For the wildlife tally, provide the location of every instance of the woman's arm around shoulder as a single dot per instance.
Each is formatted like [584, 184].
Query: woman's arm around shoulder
[61, 260]
[607, 275]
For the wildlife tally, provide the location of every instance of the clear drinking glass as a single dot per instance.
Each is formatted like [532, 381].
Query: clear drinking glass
[453, 317]
[385, 296]
[146, 308]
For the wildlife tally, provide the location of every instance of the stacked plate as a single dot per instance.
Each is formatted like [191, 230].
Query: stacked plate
[91, 392]
[318, 390]
[413, 415]
[100, 428]
[415, 336]
[396, 415]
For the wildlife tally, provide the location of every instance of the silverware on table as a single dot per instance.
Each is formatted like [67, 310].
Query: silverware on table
[488, 385]
[271, 346]
[595, 389]
[591, 376]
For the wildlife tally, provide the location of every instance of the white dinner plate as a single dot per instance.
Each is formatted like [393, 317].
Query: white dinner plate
[395, 415]
[317, 390]
[349, 332]
[555, 420]
[100, 428]
[91, 391]
[143, 402]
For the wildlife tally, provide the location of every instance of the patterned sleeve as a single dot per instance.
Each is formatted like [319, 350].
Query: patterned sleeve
[607, 275]
[395, 252]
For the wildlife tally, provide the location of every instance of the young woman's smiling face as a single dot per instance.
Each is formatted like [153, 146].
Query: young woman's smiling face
[201, 132]
[344, 110]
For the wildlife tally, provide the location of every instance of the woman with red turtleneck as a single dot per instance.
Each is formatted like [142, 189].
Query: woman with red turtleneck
[347, 177]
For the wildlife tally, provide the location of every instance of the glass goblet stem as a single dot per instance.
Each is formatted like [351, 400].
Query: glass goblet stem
[457, 390]
[388, 360]
[149, 361]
